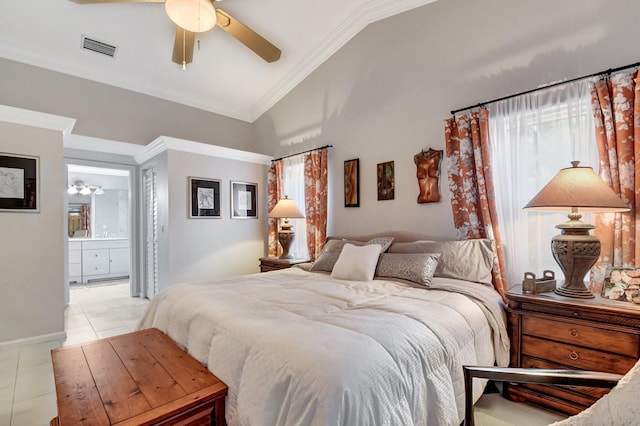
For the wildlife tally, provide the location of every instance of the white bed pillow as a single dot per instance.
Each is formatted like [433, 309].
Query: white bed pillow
[468, 260]
[357, 263]
[332, 249]
[415, 267]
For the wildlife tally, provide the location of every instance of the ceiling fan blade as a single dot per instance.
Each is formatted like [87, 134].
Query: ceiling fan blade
[248, 37]
[116, 1]
[183, 47]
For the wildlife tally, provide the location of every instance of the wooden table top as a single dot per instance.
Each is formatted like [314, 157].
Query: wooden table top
[132, 379]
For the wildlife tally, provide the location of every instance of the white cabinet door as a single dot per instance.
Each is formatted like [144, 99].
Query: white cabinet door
[119, 261]
[95, 262]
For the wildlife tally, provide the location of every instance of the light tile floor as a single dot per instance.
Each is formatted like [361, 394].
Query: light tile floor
[27, 391]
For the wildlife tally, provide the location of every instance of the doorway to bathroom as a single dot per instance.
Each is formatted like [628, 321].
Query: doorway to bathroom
[99, 227]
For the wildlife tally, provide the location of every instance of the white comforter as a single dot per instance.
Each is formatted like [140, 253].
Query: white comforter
[300, 348]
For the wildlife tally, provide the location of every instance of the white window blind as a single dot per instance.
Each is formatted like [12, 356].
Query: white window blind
[151, 233]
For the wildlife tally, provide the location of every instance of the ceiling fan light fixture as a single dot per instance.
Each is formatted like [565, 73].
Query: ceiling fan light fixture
[193, 15]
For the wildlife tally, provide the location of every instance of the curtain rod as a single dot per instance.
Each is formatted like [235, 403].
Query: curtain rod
[303, 152]
[606, 72]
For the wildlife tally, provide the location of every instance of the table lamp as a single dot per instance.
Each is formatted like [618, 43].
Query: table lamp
[287, 209]
[576, 189]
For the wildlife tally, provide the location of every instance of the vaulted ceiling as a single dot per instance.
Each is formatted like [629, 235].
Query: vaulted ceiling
[225, 77]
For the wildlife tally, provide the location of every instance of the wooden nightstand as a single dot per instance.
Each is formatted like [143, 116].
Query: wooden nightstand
[274, 263]
[552, 331]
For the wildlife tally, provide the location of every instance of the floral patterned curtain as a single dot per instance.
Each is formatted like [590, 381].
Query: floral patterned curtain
[85, 219]
[274, 177]
[471, 185]
[616, 110]
[315, 198]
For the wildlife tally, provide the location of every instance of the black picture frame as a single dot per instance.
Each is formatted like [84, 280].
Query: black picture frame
[352, 183]
[244, 200]
[19, 183]
[386, 181]
[204, 198]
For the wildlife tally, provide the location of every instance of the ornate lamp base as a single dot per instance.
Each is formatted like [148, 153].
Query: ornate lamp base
[286, 237]
[576, 251]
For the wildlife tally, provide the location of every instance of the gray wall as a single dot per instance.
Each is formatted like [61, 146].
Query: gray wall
[205, 249]
[202, 249]
[108, 112]
[385, 94]
[31, 244]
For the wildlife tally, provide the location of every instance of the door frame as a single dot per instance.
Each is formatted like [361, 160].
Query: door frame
[134, 211]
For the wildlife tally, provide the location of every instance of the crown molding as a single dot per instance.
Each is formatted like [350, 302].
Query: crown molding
[165, 143]
[366, 14]
[107, 146]
[42, 120]
[143, 153]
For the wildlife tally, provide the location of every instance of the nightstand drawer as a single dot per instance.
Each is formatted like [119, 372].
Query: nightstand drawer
[575, 356]
[590, 392]
[582, 335]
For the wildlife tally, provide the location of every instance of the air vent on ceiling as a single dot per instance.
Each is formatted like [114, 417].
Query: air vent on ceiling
[98, 46]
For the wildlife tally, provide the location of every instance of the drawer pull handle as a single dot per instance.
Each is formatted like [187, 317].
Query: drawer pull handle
[574, 332]
[574, 355]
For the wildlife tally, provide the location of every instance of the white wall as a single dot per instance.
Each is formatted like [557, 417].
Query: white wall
[385, 94]
[31, 244]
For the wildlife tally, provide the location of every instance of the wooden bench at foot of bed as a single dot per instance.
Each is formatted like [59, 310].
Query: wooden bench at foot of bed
[139, 378]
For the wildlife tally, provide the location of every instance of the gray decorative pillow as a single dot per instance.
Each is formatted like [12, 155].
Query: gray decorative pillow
[385, 242]
[332, 249]
[468, 260]
[416, 267]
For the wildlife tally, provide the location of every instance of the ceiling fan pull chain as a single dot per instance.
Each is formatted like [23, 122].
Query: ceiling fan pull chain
[184, 50]
[198, 45]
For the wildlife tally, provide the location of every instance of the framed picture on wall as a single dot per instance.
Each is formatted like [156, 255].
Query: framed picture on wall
[19, 183]
[386, 181]
[244, 200]
[352, 183]
[204, 198]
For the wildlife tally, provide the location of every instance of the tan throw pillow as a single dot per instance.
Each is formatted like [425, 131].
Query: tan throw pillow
[468, 260]
[416, 267]
[357, 263]
[332, 249]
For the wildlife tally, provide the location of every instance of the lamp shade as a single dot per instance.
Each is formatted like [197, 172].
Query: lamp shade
[192, 15]
[577, 188]
[286, 208]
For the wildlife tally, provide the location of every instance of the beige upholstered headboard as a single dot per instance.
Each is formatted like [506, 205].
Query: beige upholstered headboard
[399, 237]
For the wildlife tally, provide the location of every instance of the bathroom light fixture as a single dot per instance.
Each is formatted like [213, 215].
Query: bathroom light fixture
[79, 187]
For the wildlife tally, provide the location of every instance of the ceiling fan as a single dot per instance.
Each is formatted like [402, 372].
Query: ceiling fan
[195, 16]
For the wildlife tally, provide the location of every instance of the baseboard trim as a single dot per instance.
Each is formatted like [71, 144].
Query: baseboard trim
[61, 336]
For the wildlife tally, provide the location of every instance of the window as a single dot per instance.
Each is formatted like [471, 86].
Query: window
[532, 137]
[293, 187]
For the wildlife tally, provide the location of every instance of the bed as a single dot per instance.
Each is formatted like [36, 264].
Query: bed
[304, 346]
